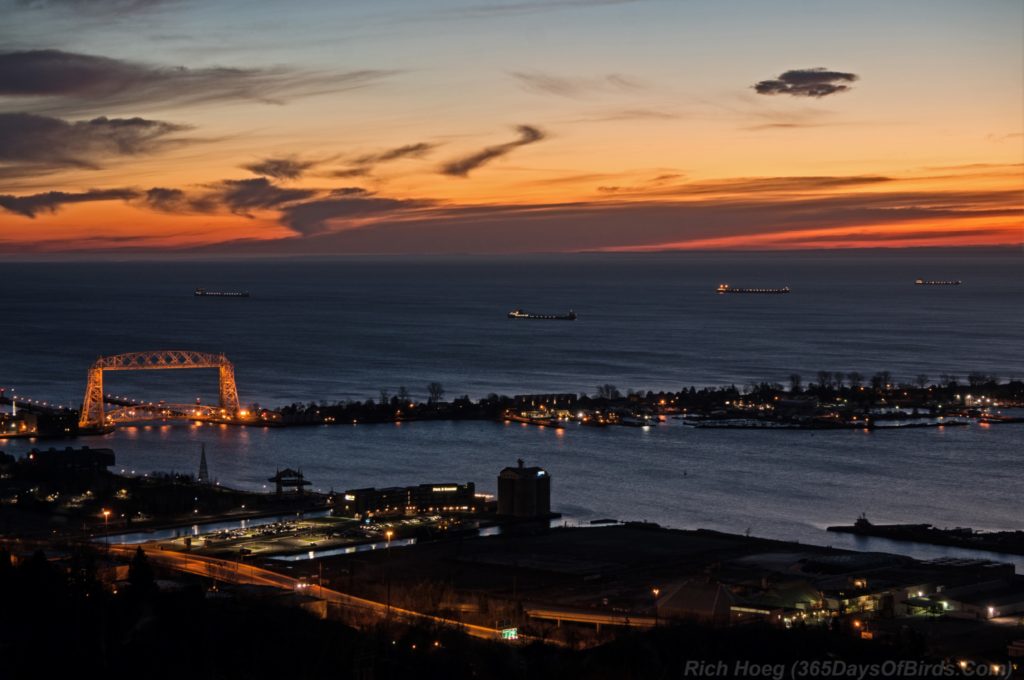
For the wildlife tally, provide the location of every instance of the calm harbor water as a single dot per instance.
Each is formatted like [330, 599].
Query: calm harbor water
[344, 329]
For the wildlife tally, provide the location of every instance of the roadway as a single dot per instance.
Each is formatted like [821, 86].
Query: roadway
[229, 571]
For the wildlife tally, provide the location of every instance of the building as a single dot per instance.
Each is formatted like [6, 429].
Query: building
[289, 479]
[524, 492]
[411, 500]
[70, 461]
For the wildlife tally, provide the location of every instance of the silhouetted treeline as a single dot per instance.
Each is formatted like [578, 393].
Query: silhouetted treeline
[849, 387]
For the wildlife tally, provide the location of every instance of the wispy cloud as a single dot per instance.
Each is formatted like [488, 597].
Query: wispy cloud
[408, 151]
[574, 86]
[99, 6]
[461, 167]
[527, 7]
[32, 143]
[163, 199]
[239, 196]
[364, 165]
[304, 211]
[58, 81]
[628, 114]
[51, 201]
[284, 167]
[807, 82]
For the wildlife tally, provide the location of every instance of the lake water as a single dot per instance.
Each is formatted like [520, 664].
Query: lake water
[346, 328]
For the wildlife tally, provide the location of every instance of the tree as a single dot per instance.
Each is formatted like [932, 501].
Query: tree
[976, 380]
[140, 573]
[824, 379]
[384, 397]
[795, 383]
[403, 395]
[436, 392]
[855, 378]
[607, 391]
[921, 380]
[886, 379]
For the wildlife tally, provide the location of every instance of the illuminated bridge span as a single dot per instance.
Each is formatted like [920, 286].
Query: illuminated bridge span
[93, 415]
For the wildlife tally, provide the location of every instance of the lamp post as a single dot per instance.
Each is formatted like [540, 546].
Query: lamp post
[655, 592]
[388, 534]
[106, 529]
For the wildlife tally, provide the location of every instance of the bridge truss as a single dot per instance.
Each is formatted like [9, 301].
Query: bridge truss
[93, 415]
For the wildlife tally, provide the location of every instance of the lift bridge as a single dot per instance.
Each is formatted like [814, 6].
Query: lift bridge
[95, 417]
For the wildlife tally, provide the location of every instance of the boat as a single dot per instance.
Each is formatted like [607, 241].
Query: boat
[726, 288]
[202, 292]
[520, 314]
[933, 282]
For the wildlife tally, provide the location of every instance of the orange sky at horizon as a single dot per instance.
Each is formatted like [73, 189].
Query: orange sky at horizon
[634, 126]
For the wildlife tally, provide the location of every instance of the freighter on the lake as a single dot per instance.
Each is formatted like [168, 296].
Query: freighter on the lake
[520, 314]
[202, 292]
[930, 282]
[726, 288]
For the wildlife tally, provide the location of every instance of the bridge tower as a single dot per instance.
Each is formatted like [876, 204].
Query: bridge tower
[92, 415]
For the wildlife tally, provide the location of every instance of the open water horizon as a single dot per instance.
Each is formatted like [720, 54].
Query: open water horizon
[346, 328]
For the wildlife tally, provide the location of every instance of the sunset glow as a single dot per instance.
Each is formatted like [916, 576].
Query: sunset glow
[173, 126]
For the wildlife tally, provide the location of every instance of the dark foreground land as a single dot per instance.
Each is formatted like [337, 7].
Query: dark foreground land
[66, 619]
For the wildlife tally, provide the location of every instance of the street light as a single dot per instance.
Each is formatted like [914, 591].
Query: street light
[388, 534]
[106, 529]
[656, 592]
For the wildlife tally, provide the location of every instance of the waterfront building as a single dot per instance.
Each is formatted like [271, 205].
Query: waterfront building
[441, 498]
[524, 491]
[83, 461]
[289, 479]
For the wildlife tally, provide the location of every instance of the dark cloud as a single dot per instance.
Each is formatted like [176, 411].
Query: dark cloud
[305, 211]
[244, 195]
[287, 167]
[313, 217]
[563, 86]
[808, 82]
[461, 167]
[407, 151]
[363, 165]
[51, 201]
[178, 202]
[49, 143]
[361, 171]
[239, 196]
[574, 227]
[83, 82]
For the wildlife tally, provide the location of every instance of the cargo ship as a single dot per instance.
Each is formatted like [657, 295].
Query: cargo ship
[726, 288]
[202, 292]
[520, 314]
[931, 282]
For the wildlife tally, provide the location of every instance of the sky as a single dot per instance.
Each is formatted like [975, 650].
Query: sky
[239, 127]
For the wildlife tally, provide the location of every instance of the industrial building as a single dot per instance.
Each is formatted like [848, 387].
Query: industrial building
[524, 492]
